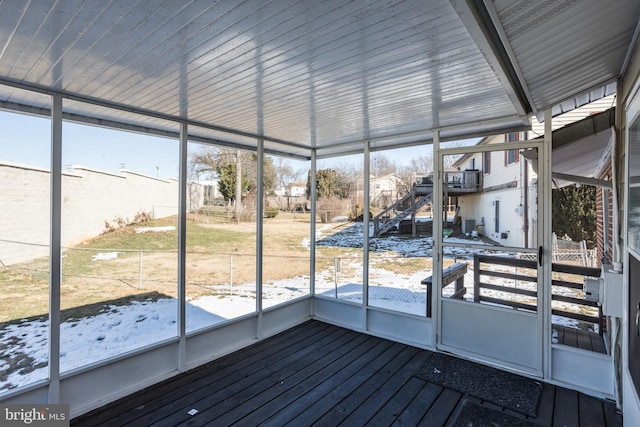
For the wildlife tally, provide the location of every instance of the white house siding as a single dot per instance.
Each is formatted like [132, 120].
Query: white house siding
[537, 128]
[502, 185]
[384, 190]
[482, 209]
[89, 198]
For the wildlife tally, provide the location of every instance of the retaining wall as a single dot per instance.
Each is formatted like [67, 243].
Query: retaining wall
[89, 198]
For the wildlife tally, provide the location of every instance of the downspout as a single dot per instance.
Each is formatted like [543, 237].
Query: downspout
[616, 256]
[615, 239]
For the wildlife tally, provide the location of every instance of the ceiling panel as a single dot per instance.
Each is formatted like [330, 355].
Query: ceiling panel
[566, 47]
[303, 74]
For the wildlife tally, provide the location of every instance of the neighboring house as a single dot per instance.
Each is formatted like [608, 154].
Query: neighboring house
[503, 210]
[298, 189]
[211, 191]
[203, 193]
[294, 189]
[290, 197]
[384, 190]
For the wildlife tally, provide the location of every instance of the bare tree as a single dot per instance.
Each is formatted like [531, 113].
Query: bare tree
[381, 165]
[422, 164]
[286, 174]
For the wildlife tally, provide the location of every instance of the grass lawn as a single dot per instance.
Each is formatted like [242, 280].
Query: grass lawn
[211, 247]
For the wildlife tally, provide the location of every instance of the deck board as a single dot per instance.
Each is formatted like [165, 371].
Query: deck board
[374, 401]
[441, 410]
[578, 338]
[419, 405]
[234, 393]
[566, 408]
[396, 405]
[155, 398]
[315, 402]
[318, 374]
[367, 386]
[546, 405]
[591, 411]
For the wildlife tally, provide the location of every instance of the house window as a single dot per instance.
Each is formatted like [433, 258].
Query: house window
[512, 137]
[511, 156]
[486, 162]
[497, 217]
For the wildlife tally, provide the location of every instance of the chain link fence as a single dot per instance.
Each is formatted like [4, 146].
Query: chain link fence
[92, 277]
[567, 251]
[394, 281]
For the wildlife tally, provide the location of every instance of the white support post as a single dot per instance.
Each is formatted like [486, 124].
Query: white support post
[312, 233]
[545, 239]
[182, 248]
[365, 233]
[55, 251]
[259, 234]
[436, 257]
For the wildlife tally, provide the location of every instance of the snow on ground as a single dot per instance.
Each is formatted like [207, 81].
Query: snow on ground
[352, 236]
[155, 229]
[120, 329]
[105, 256]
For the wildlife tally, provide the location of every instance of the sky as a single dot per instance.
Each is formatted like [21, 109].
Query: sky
[26, 140]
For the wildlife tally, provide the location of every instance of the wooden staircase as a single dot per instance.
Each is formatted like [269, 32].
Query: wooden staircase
[411, 203]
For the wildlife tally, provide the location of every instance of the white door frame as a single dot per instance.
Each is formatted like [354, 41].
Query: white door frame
[524, 349]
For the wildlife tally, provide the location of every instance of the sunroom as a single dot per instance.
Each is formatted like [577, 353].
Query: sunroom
[144, 143]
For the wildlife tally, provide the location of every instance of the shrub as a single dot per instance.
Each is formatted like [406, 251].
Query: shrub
[357, 212]
[119, 222]
[143, 217]
[328, 207]
[270, 212]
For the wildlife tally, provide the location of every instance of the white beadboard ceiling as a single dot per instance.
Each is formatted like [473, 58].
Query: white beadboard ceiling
[307, 74]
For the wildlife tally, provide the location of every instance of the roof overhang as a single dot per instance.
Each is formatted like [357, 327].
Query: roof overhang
[581, 150]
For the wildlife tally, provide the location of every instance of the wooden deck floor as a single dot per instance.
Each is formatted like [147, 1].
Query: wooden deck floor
[579, 338]
[318, 374]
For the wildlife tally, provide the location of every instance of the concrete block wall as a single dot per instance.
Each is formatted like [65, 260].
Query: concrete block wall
[24, 213]
[89, 198]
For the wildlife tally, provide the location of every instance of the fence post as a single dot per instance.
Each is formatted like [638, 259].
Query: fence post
[476, 278]
[230, 270]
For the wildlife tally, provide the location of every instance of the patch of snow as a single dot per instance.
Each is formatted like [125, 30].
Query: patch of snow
[103, 256]
[155, 229]
[305, 243]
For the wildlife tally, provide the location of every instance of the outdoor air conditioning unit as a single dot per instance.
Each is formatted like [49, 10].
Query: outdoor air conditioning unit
[468, 226]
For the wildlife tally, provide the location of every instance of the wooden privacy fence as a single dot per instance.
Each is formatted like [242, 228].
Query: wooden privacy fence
[569, 271]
